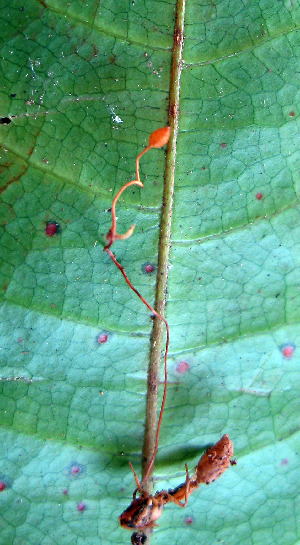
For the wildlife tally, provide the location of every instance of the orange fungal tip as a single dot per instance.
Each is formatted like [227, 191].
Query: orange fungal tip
[160, 137]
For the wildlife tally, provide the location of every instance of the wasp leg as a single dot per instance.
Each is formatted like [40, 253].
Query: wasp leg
[185, 487]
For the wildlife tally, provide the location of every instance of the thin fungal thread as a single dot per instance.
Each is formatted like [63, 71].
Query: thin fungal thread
[157, 139]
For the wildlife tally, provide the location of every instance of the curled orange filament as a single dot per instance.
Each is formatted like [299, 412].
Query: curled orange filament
[157, 139]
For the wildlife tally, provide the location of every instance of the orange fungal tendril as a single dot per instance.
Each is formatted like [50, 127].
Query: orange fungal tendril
[157, 139]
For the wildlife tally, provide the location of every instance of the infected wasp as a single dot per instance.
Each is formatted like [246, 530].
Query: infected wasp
[146, 509]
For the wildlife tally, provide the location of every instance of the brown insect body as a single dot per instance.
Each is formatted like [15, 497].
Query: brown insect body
[144, 511]
[215, 461]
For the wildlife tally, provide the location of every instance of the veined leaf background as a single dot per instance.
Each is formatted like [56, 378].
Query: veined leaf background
[83, 86]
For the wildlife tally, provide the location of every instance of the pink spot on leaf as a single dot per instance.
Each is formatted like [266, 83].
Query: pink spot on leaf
[75, 469]
[65, 492]
[102, 338]
[189, 520]
[292, 114]
[284, 461]
[2, 486]
[259, 196]
[182, 367]
[52, 227]
[288, 350]
[149, 268]
[223, 145]
[81, 506]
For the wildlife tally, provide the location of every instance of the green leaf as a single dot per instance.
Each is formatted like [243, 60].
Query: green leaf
[83, 86]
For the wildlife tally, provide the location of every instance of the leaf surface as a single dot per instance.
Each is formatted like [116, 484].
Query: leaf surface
[83, 87]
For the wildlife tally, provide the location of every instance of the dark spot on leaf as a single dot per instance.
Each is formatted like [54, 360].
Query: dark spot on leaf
[52, 228]
[5, 120]
[138, 538]
[13, 95]
[173, 110]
